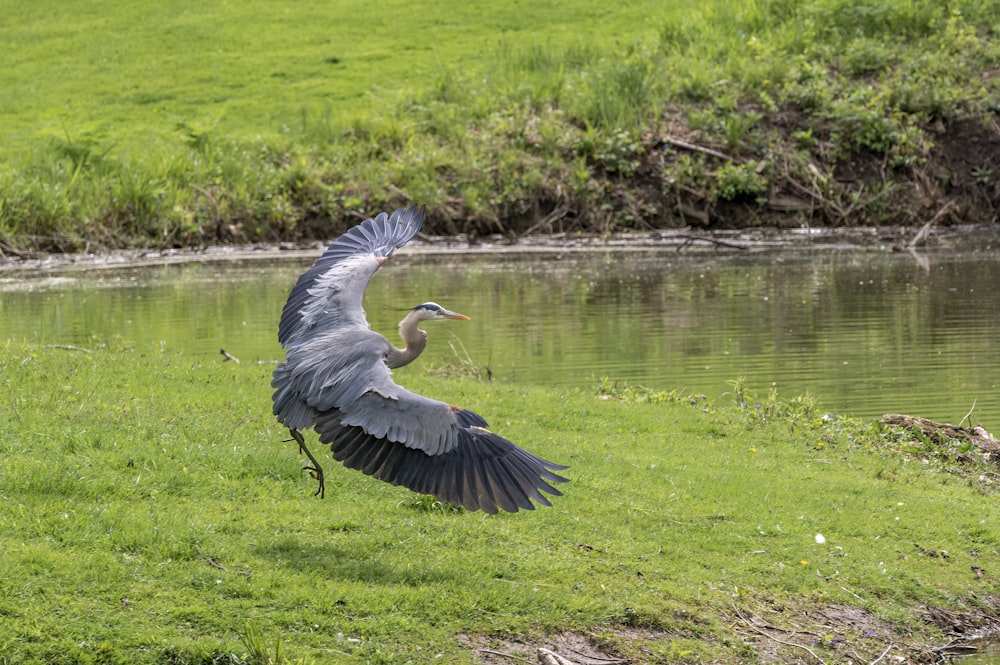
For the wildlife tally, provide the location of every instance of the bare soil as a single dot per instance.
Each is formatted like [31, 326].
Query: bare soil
[959, 181]
[770, 633]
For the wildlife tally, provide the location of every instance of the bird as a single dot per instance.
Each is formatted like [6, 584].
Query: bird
[336, 379]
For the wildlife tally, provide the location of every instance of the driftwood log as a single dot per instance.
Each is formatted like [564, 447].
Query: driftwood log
[941, 433]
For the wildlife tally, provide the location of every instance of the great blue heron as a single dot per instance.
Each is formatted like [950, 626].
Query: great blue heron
[336, 379]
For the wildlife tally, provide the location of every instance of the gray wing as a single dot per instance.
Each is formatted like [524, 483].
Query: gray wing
[386, 431]
[328, 295]
[484, 471]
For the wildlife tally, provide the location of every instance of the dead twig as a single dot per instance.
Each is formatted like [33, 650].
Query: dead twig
[502, 654]
[815, 194]
[6, 249]
[684, 145]
[920, 239]
[212, 562]
[968, 416]
[558, 213]
[546, 657]
[218, 566]
[214, 202]
[771, 637]
[712, 241]
[883, 654]
[599, 660]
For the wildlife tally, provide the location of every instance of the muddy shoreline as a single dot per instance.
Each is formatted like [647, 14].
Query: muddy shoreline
[964, 238]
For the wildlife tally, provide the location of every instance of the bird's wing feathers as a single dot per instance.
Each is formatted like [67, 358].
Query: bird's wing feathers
[484, 471]
[328, 295]
[331, 371]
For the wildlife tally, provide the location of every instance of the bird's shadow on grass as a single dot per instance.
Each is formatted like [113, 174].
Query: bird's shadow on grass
[336, 563]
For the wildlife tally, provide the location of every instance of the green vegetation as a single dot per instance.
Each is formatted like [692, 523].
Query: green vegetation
[184, 124]
[152, 514]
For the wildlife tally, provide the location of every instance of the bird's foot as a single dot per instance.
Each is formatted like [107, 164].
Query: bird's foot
[317, 473]
[314, 469]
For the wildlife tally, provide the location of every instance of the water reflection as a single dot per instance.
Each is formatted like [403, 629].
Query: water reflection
[865, 333]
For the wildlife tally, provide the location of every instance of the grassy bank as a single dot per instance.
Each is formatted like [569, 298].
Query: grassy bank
[151, 513]
[184, 125]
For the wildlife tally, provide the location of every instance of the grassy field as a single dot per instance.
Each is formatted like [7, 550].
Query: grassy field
[186, 123]
[150, 512]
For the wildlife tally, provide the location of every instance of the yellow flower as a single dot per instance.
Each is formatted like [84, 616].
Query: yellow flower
[804, 562]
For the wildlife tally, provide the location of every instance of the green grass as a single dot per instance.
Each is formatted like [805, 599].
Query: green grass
[185, 123]
[150, 512]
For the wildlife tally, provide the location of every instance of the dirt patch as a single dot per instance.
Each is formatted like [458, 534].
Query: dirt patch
[820, 187]
[567, 648]
[767, 632]
[970, 445]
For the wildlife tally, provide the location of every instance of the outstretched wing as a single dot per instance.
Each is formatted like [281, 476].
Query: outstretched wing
[395, 435]
[481, 471]
[328, 295]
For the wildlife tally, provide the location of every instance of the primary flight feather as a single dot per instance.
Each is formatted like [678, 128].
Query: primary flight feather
[337, 380]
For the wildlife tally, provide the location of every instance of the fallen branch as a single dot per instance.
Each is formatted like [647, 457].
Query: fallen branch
[941, 432]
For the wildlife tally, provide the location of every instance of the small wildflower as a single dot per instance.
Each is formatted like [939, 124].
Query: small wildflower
[820, 539]
[752, 449]
[804, 562]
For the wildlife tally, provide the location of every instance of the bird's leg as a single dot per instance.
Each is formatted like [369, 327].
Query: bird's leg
[316, 471]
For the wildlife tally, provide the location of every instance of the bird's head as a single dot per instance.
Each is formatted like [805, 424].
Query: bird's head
[431, 311]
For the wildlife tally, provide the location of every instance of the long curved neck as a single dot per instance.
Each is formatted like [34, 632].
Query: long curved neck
[415, 339]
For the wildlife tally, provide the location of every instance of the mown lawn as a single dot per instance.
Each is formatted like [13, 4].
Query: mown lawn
[151, 511]
[130, 74]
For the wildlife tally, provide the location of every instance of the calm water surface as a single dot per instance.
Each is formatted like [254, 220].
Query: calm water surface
[863, 332]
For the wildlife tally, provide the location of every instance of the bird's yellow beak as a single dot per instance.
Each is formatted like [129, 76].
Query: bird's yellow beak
[454, 315]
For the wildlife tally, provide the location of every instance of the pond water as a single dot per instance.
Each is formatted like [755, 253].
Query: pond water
[987, 653]
[863, 332]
